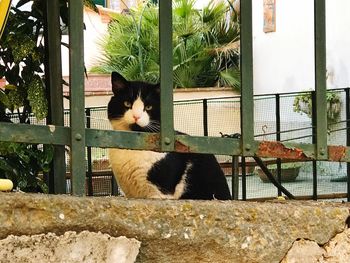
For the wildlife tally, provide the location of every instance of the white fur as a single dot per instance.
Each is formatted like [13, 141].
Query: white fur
[182, 185]
[137, 110]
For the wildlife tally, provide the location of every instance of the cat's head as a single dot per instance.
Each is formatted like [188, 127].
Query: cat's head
[135, 105]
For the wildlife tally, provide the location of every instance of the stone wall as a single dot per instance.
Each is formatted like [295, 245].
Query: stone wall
[186, 231]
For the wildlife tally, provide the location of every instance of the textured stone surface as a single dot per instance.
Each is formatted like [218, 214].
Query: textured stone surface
[70, 247]
[180, 231]
[305, 251]
[337, 250]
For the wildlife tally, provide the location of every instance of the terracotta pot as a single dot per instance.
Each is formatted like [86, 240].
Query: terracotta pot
[287, 174]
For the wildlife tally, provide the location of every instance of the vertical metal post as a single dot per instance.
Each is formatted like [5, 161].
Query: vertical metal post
[314, 180]
[166, 75]
[235, 174]
[53, 75]
[278, 138]
[314, 135]
[205, 117]
[247, 103]
[244, 179]
[320, 79]
[89, 155]
[347, 114]
[115, 189]
[76, 90]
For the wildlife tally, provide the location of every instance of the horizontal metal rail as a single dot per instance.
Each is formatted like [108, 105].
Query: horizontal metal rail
[150, 141]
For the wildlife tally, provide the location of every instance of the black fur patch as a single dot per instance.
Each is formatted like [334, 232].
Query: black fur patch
[204, 179]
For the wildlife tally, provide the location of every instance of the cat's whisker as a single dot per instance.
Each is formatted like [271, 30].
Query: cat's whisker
[155, 125]
[151, 128]
[154, 122]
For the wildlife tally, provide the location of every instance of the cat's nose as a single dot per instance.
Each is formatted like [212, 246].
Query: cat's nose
[136, 117]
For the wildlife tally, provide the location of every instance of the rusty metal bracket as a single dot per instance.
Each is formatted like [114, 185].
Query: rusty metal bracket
[272, 178]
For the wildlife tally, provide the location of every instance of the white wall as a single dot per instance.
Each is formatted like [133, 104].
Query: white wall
[95, 30]
[284, 60]
[338, 43]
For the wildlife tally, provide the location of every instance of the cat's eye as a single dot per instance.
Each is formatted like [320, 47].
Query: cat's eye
[127, 104]
[148, 107]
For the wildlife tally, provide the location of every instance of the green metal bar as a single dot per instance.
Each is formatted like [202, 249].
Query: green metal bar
[166, 75]
[122, 139]
[54, 80]
[235, 177]
[48, 134]
[225, 146]
[150, 141]
[320, 79]
[76, 89]
[247, 102]
[58, 135]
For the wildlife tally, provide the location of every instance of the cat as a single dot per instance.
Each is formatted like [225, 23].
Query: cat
[135, 106]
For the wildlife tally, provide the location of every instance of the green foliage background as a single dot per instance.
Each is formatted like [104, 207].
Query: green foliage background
[205, 45]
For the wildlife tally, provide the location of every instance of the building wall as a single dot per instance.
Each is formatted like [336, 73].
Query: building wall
[284, 60]
[95, 28]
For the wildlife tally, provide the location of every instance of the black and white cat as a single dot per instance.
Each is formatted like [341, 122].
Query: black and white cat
[135, 106]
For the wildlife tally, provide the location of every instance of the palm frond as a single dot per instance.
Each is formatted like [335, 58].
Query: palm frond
[212, 13]
[204, 44]
[230, 77]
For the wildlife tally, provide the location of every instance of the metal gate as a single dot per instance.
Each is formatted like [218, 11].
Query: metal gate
[77, 137]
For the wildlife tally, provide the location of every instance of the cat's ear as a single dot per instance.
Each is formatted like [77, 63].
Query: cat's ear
[118, 82]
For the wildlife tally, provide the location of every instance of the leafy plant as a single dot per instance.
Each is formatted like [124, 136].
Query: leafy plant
[303, 104]
[24, 165]
[22, 64]
[205, 45]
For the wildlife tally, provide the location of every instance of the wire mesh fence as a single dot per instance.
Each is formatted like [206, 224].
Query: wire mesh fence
[275, 120]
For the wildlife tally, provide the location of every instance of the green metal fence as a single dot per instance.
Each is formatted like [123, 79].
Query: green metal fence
[275, 120]
[78, 137]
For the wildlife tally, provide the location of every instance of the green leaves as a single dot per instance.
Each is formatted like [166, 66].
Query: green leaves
[24, 165]
[303, 104]
[184, 8]
[37, 98]
[22, 54]
[23, 48]
[205, 45]
[230, 78]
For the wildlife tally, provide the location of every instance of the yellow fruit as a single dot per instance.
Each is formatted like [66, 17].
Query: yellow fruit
[6, 185]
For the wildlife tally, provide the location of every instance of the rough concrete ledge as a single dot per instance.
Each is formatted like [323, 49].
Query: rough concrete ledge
[180, 231]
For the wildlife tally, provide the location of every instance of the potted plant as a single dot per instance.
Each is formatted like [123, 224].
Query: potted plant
[289, 172]
[303, 104]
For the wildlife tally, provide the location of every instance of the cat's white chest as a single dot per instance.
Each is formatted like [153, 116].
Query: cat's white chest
[122, 158]
[131, 167]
